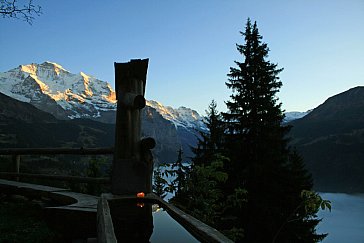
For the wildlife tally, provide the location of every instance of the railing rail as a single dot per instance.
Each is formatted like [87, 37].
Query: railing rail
[55, 151]
[79, 179]
[16, 154]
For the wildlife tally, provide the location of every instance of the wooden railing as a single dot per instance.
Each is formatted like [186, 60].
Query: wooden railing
[16, 154]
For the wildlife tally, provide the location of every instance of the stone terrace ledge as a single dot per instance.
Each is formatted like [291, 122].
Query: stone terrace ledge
[67, 199]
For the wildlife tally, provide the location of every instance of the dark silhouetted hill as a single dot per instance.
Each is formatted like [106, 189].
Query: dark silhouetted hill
[331, 140]
[11, 109]
[23, 125]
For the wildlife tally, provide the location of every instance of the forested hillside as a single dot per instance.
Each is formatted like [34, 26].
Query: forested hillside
[331, 140]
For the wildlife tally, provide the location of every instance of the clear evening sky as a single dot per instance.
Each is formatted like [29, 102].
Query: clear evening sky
[191, 44]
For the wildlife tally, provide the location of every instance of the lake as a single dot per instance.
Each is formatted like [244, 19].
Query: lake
[345, 222]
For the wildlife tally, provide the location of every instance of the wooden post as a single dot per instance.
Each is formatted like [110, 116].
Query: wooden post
[132, 160]
[16, 164]
[105, 227]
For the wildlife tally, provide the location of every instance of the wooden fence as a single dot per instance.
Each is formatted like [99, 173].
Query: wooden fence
[16, 154]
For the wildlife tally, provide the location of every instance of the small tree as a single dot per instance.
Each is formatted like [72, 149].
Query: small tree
[159, 183]
[179, 171]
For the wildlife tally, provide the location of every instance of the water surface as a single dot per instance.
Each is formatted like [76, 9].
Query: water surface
[345, 222]
[146, 222]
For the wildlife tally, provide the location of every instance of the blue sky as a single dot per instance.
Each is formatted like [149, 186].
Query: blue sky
[191, 44]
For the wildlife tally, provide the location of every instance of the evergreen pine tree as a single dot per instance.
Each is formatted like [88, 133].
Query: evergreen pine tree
[210, 142]
[258, 148]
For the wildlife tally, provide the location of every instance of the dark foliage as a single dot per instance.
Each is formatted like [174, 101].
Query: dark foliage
[23, 220]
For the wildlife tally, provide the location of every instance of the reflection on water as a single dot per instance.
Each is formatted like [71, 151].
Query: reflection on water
[133, 221]
[146, 222]
[166, 229]
[345, 223]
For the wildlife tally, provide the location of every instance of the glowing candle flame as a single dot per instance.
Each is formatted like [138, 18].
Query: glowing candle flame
[140, 195]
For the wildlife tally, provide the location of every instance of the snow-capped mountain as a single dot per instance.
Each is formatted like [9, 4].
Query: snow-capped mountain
[294, 115]
[51, 88]
[49, 84]
[182, 116]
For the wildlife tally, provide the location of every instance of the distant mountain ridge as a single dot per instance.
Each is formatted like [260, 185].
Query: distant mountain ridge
[11, 109]
[294, 115]
[23, 125]
[53, 89]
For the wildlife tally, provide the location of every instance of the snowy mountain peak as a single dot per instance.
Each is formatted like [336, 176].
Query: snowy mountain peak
[46, 68]
[55, 65]
[182, 116]
[30, 68]
[294, 115]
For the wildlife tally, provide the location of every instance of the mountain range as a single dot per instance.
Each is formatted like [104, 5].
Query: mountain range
[70, 97]
[44, 105]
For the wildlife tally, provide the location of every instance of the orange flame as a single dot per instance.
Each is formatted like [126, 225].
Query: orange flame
[140, 195]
